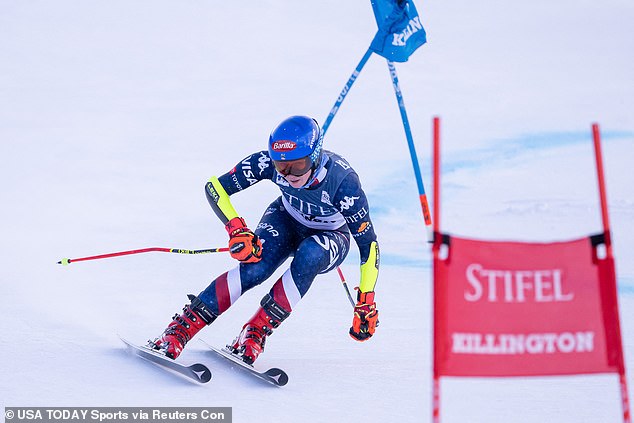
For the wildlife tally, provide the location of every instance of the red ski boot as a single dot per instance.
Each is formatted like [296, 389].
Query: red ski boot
[183, 328]
[250, 343]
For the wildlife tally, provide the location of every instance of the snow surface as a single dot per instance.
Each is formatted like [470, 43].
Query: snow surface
[113, 114]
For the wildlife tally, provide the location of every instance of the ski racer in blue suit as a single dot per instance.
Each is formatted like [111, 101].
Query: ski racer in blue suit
[322, 205]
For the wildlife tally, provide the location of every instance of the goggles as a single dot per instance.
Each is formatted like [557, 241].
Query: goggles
[297, 167]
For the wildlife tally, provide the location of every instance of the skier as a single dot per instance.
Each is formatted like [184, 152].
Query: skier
[322, 203]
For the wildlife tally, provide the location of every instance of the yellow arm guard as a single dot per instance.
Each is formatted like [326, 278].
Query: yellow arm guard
[370, 269]
[219, 200]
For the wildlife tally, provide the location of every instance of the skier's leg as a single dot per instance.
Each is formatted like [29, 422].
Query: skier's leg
[228, 287]
[316, 254]
[183, 327]
[250, 343]
[278, 242]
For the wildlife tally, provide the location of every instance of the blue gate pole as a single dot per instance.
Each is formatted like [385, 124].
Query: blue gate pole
[345, 90]
[412, 151]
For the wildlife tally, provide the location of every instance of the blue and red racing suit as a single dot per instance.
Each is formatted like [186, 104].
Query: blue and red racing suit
[313, 225]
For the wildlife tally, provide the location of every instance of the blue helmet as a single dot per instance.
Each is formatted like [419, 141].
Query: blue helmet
[297, 137]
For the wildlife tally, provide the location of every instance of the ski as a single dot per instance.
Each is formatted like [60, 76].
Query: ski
[275, 376]
[196, 372]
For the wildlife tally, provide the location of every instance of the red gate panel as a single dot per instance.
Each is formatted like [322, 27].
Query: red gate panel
[522, 309]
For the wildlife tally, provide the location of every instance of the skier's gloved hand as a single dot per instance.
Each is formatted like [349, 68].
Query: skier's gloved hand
[366, 317]
[244, 245]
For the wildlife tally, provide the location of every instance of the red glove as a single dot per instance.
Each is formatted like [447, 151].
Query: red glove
[244, 245]
[366, 317]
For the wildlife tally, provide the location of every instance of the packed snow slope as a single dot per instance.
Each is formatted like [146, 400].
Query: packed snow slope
[113, 115]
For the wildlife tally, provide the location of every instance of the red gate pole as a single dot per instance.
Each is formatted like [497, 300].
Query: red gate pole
[596, 136]
[436, 250]
[436, 219]
[602, 193]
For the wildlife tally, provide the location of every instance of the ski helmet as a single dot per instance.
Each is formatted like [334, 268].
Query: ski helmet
[295, 145]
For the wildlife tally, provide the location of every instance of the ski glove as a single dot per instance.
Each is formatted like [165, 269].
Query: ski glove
[244, 245]
[366, 317]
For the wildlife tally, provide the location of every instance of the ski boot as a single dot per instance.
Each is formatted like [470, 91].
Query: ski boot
[250, 343]
[183, 328]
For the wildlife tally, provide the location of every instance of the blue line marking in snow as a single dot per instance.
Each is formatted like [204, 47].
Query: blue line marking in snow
[384, 200]
[476, 158]
[512, 147]
[626, 289]
[403, 261]
[625, 285]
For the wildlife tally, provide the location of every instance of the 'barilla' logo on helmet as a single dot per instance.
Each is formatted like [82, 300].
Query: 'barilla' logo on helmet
[285, 145]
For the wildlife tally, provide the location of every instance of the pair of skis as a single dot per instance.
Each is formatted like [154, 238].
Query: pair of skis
[200, 373]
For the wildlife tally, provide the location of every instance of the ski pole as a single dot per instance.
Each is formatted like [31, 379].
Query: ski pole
[67, 261]
[345, 286]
